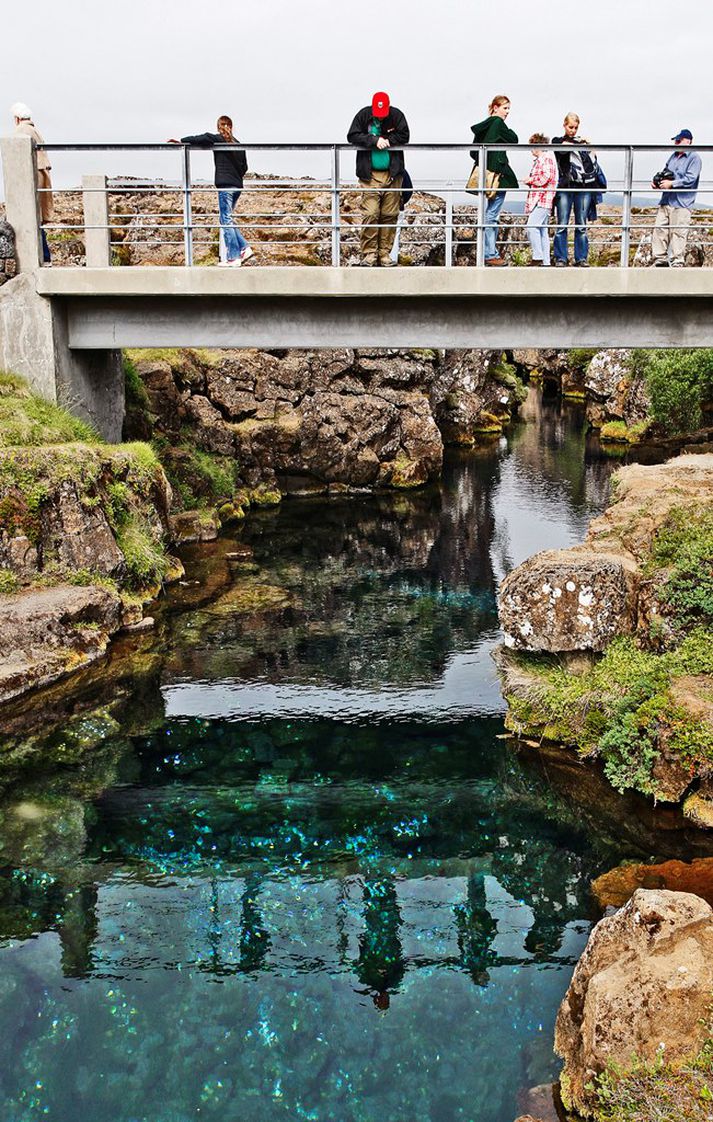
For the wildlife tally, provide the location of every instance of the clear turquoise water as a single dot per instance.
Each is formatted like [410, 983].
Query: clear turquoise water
[273, 862]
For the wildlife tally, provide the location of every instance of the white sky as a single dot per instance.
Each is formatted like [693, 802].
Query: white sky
[297, 70]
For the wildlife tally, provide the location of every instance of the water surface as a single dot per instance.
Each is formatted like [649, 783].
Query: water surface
[275, 862]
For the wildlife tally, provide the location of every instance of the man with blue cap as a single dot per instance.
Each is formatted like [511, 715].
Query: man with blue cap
[679, 182]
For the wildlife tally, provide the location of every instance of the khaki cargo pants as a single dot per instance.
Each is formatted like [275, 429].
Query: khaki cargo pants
[380, 211]
[670, 232]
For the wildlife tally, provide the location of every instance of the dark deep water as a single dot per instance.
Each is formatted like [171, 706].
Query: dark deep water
[276, 863]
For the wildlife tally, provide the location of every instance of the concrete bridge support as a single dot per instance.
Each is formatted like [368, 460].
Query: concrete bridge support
[34, 340]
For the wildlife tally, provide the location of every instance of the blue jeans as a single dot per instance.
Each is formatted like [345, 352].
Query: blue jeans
[537, 232]
[234, 240]
[492, 213]
[566, 202]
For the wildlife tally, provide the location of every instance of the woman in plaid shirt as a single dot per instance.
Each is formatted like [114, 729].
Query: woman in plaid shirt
[542, 182]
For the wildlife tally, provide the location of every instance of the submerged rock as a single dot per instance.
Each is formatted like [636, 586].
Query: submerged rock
[641, 991]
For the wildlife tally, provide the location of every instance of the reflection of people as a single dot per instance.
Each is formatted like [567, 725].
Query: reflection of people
[380, 965]
[230, 169]
[476, 931]
[378, 127]
[254, 937]
[673, 216]
[493, 130]
[24, 127]
[542, 182]
[577, 180]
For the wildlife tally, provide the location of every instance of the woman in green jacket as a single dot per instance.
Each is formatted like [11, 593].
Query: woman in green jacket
[493, 130]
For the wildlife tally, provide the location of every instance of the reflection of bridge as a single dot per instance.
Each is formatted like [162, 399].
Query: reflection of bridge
[62, 329]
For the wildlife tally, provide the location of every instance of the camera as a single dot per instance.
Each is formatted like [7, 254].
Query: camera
[660, 176]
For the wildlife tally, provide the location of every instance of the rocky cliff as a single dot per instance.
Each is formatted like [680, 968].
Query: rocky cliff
[292, 422]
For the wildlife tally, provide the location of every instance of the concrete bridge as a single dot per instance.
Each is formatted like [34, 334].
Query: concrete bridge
[63, 328]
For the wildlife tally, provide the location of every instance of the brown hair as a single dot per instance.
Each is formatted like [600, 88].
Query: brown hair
[225, 128]
[539, 138]
[571, 117]
[499, 99]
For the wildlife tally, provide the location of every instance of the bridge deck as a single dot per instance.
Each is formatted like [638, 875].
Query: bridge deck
[398, 282]
[401, 307]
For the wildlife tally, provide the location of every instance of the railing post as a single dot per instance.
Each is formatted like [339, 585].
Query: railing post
[187, 207]
[336, 215]
[22, 207]
[449, 227]
[626, 213]
[96, 221]
[482, 203]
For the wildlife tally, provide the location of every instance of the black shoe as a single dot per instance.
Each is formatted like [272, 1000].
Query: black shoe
[661, 264]
[560, 264]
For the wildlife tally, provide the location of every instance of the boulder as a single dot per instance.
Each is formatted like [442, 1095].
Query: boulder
[47, 632]
[614, 392]
[615, 888]
[568, 600]
[641, 990]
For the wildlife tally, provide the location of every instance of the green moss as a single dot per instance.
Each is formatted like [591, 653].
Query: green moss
[646, 1090]
[683, 549]
[8, 581]
[579, 358]
[619, 708]
[618, 432]
[26, 419]
[145, 556]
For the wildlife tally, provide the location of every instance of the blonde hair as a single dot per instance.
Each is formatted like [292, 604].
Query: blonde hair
[499, 99]
[571, 117]
[225, 128]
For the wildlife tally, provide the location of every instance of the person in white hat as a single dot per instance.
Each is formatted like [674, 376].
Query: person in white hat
[25, 127]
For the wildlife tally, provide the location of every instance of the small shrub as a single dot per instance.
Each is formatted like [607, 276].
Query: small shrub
[683, 547]
[680, 384]
[8, 581]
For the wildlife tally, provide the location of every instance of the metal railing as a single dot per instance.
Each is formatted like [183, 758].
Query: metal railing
[318, 220]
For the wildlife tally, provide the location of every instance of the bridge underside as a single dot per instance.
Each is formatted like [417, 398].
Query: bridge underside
[320, 307]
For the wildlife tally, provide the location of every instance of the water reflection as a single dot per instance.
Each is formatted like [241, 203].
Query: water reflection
[273, 859]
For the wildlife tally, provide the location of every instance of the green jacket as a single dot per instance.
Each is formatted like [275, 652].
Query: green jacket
[493, 130]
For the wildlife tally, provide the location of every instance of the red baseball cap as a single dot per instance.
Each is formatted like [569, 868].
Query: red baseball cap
[380, 105]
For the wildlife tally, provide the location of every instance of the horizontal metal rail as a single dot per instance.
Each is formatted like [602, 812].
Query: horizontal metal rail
[444, 225]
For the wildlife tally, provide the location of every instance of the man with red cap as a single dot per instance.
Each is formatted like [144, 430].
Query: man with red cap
[377, 129]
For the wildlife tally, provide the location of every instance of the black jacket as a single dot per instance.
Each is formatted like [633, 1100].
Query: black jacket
[394, 128]
[565, 172]
[230, 167]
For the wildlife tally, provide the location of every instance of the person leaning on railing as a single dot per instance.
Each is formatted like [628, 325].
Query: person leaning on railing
[679, 182]
[376, 128]
[230, 169]
[25, 127]
[493, 130]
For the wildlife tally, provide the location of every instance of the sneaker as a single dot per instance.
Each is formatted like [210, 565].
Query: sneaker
[535, 263]
[387, 263]
[560, 264]
[661, 264]
[236, 263]
[582, 264]
[369, 262]
[246, 254]
[495, 261]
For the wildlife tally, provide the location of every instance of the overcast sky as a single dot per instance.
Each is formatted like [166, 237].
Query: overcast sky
[297, 70]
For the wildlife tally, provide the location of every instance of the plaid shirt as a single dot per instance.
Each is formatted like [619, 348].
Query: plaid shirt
[543, 182]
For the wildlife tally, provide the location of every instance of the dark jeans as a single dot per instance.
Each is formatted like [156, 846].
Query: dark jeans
[566, 202]
[46, 255]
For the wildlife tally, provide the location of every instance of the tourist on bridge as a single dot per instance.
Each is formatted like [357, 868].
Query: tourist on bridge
[499, 174]
[679, 182]
[542, 182]
[24, 127]
[577, 183]
[377, 129]
[230, 169]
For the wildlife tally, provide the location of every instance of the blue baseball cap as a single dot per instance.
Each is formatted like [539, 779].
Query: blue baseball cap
[684, 134]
